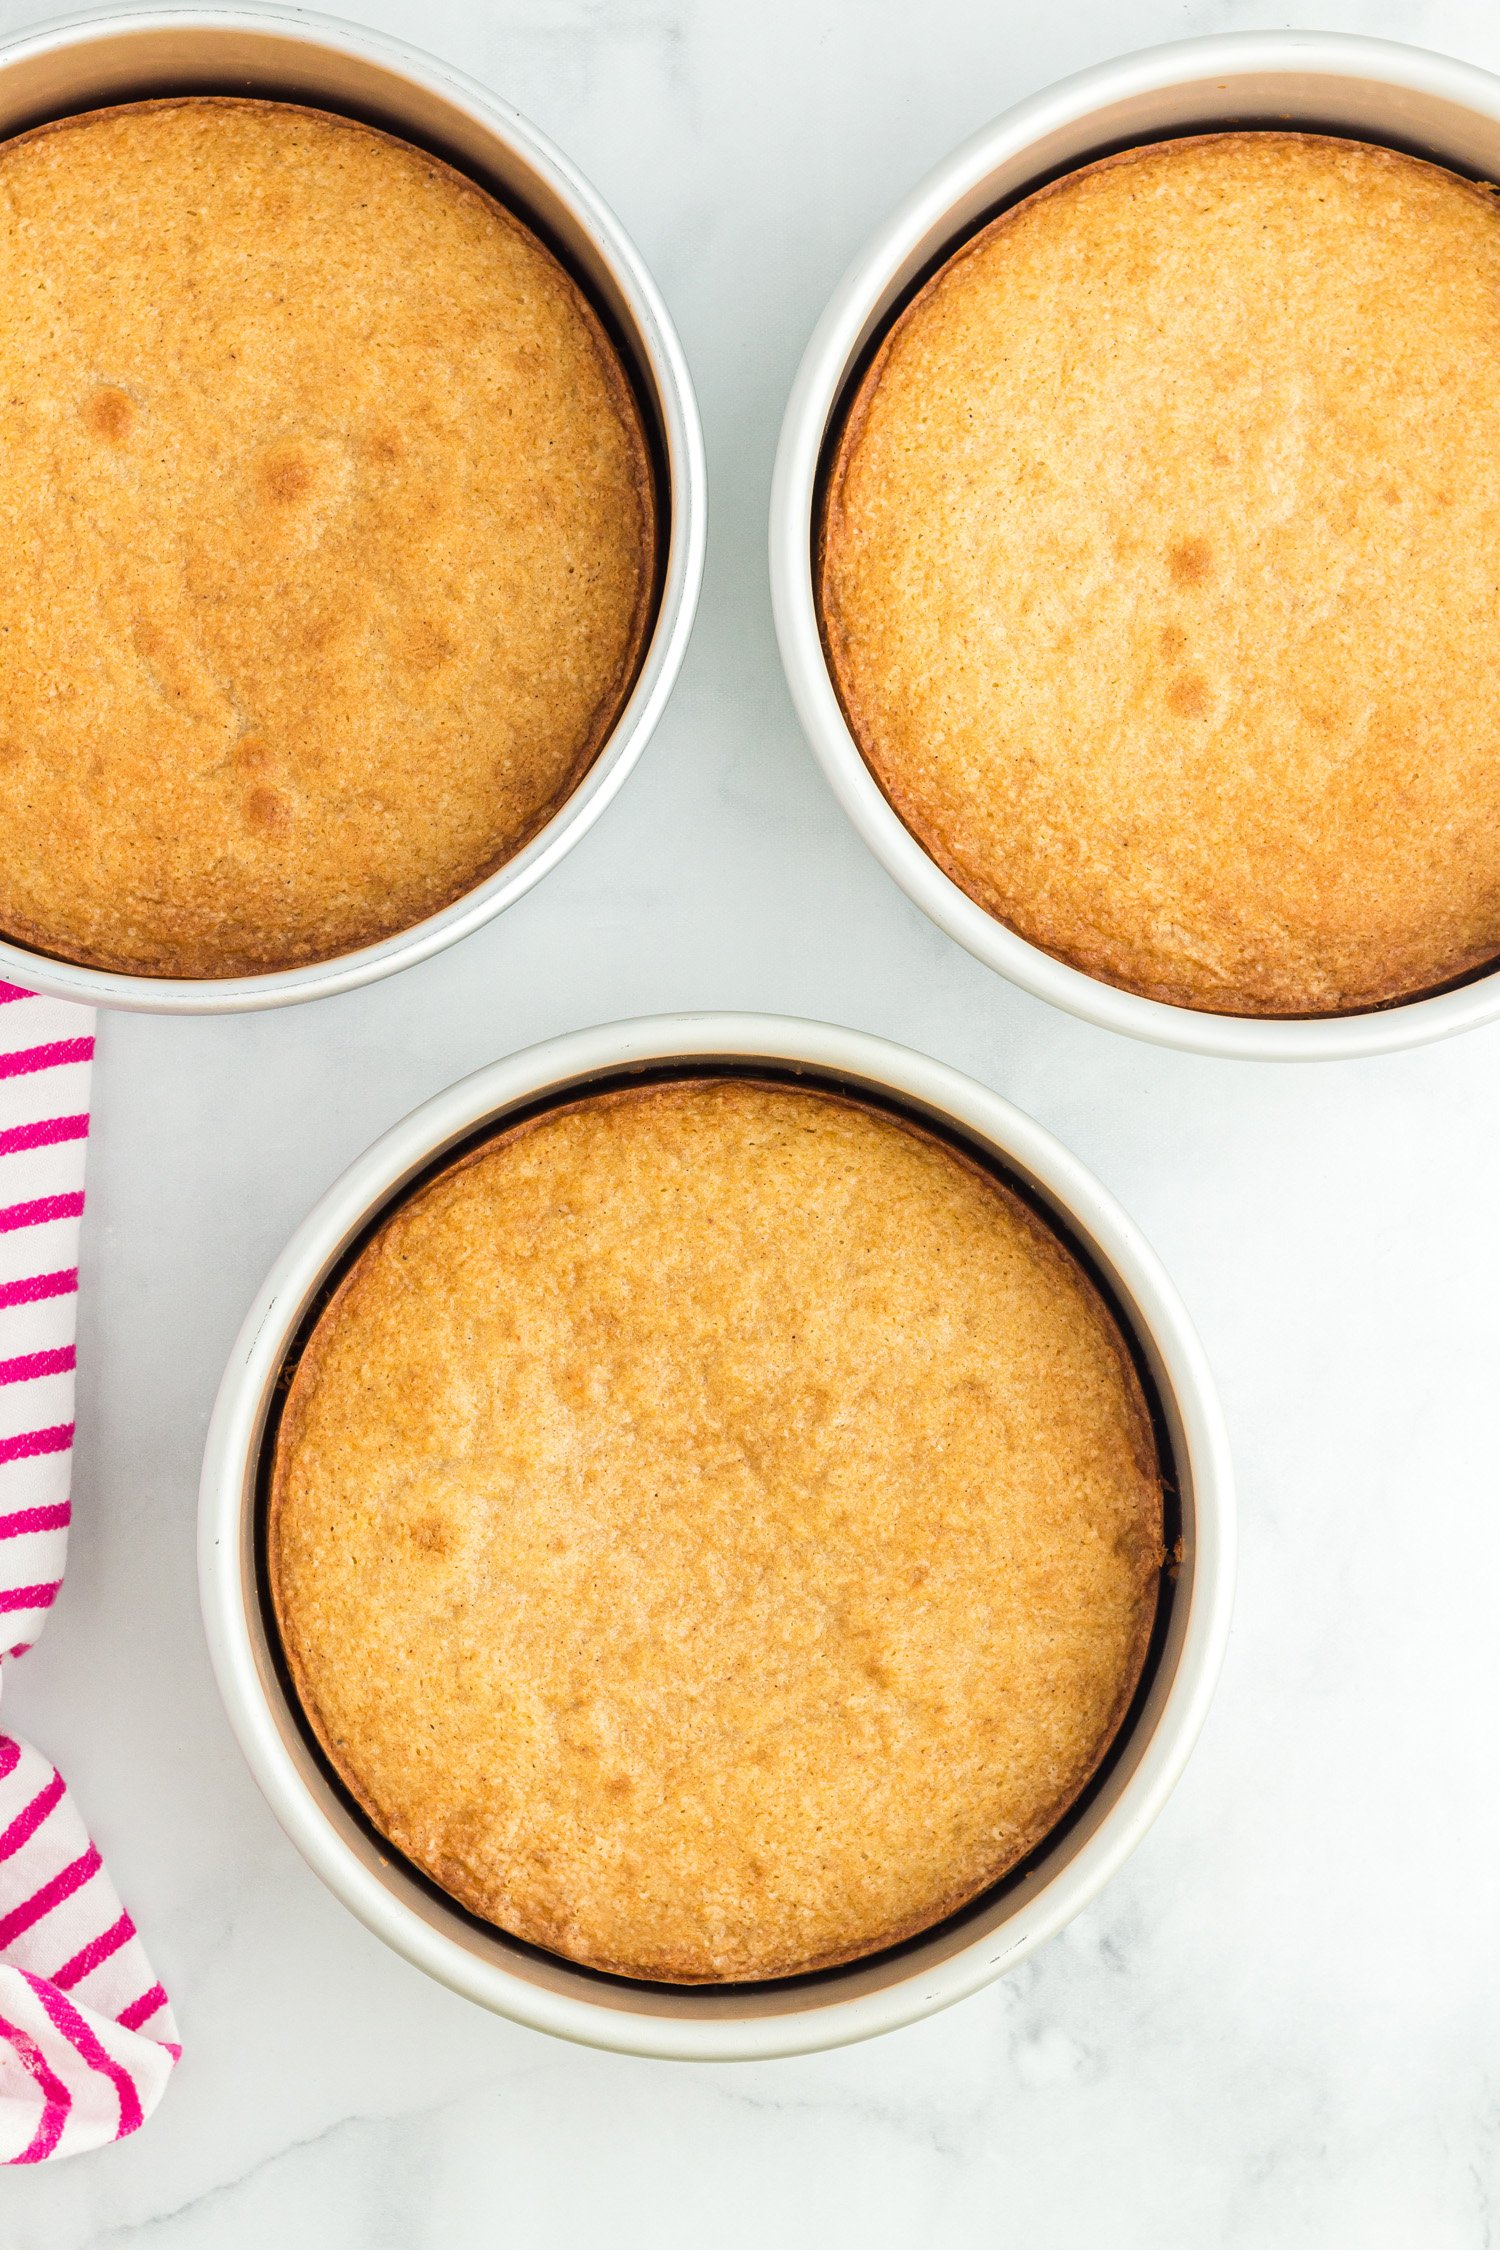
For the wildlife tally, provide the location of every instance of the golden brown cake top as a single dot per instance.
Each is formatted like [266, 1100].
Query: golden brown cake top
[715, 1530]
[328, 536]
[1159, 572]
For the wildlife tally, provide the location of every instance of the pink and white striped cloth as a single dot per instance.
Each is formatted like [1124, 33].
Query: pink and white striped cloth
[87, 2040]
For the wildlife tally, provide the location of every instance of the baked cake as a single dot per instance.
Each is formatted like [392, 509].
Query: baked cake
[1158, 572]
[328, 533]
[715, 1529]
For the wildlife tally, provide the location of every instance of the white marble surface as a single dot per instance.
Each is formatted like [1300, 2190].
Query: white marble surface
[1279, 2025]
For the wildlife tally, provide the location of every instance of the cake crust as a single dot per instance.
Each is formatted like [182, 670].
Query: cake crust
[1157, 572]
[329, 537]
[715, 1530]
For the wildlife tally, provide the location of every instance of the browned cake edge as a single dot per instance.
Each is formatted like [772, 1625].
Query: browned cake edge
[452, 1880]
[632, 421]
[828, 526]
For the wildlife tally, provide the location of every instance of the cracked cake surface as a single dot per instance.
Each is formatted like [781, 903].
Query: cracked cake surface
[715, 1529]
[328, 534]
[1158, 572]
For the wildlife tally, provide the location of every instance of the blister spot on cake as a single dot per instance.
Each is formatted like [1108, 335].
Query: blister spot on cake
[287, 476]
[1190, 561]
[1188, 696]
[432, 1534]
[266, 809]
[110, 413]
[427, 646]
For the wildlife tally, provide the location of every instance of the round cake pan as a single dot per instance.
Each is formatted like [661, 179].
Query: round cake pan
[1366, 89]
[798, 2014]
[91, 61]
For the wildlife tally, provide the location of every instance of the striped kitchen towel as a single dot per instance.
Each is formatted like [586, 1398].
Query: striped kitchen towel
[87, 2040]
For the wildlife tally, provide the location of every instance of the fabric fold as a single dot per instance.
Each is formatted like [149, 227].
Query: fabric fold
[87, 2037]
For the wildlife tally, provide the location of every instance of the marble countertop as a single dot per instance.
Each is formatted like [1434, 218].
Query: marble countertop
[1278, 2025]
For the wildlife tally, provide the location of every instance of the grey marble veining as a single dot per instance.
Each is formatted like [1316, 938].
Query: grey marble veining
[1278, 2027]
